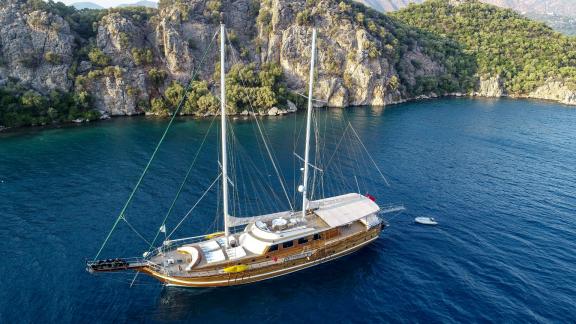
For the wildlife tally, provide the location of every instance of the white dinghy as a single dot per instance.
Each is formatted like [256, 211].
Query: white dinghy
[425, 221]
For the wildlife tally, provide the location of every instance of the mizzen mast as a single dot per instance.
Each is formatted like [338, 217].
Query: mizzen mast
[308, 124]
[223, 131]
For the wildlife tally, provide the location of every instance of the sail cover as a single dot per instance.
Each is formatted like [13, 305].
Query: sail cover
[345, 209]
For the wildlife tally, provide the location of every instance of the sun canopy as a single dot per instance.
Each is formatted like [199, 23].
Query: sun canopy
[341, 210]
[335, 211]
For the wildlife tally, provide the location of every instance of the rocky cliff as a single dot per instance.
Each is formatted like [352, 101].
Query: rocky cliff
[132, 57]
[37, 48]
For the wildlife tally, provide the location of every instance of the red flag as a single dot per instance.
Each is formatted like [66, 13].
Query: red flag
[371, 197]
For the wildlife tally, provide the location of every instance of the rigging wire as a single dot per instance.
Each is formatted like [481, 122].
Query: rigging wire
[369, 155]
[196, 204]
[145, 171]
[135, 231]
[337, 147]
[270, 155]
[182, 184]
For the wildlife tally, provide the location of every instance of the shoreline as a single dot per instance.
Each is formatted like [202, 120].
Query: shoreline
[243, 116]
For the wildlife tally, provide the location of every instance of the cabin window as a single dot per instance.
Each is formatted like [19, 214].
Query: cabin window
[273, 248]
[302, 240]
[288, 244]
[316, 237]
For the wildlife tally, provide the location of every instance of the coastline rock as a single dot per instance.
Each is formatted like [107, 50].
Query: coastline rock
[490, 87]
[555, 90]
[273, 111]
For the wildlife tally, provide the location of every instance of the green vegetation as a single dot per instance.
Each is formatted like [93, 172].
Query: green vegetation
[522, 52]
[138, 14]
[83, 22]
[22, 107]
[246, 87]
[142, 56]
[98, 58]
[393, 39]
[156, 77]
[52, 58]
[213, 10]
[249, 87]
[199, 100]
[264, 16]
[303, 17]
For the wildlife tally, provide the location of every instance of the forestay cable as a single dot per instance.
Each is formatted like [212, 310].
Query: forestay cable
[178, 108]
[182, 185]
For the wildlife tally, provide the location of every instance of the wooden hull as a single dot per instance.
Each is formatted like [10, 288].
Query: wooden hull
[327, 253]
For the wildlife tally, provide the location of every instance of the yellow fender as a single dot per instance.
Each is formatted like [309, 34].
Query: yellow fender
[236, 268]
[213, 235]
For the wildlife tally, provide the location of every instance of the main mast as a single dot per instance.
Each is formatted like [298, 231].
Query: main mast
[223, 127]
[308, 124]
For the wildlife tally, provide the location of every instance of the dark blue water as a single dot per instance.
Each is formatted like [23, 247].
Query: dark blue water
[499, 175]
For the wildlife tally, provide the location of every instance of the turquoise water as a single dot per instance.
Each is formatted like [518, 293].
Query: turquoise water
[499, 175]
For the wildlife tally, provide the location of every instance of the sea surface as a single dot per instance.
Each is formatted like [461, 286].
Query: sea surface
[498, 175]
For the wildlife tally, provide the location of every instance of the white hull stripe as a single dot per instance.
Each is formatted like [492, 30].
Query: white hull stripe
[186, 283]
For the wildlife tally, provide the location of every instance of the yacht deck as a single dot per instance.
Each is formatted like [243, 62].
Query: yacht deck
[175, 262]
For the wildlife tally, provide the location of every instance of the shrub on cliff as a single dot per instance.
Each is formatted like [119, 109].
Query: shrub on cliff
[53, 58]
[157, 77]
[142, 56]
[97, 57]
[249, 87]
[199, 100]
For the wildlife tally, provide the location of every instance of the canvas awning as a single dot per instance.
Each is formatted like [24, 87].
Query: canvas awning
[345, 209]
[335, 211]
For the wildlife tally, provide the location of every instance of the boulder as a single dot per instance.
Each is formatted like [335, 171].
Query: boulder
[273, 111]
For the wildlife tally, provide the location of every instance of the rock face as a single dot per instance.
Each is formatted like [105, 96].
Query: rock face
[347, 73]
[120, 93]
[36, 47]
[555, 90]
[355, 64]
[490, 87]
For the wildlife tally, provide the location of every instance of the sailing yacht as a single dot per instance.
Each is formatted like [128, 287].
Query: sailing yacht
[252, 249]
